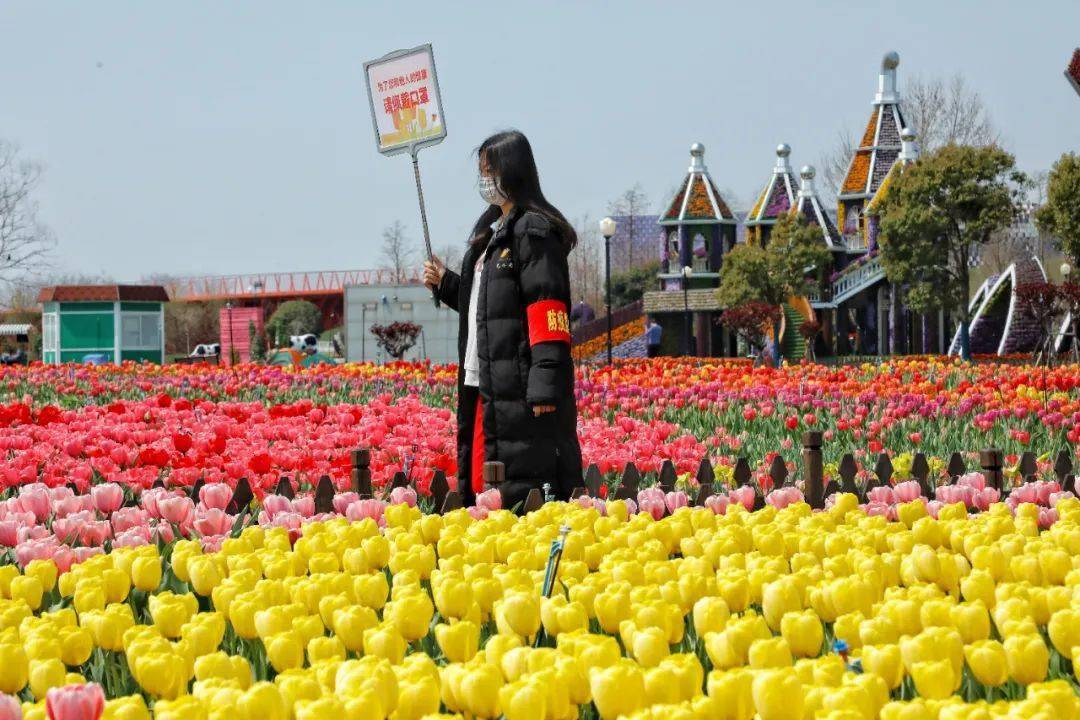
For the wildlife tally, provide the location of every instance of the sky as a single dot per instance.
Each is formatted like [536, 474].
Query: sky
[208, 138]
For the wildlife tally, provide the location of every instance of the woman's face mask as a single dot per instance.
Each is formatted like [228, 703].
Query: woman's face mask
[490, 192]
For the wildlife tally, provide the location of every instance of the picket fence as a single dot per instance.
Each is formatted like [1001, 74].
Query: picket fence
[815, 488]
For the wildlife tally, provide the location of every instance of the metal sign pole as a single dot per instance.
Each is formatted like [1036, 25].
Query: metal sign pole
[423, 216]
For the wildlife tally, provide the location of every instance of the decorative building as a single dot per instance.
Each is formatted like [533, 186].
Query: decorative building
[634, 243]
[777, 198]
[699, 229]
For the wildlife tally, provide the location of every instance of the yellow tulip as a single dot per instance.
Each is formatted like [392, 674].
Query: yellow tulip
[183, 708]
[518, 613]
[76, 644]
[523, 700]
[710, 615]
[326, 707]
[163, 675]
[803, 632]
[372, 590]
[617, 690]
[350, 624]
[130, 707]
[1064, 630]
[778, 695]
[262, 701]
[612, 607]
[778, 599]
[972, 620]
[460, 641]
[412, 615]
[45, 674]
[204, 573]
[769, 653]
[418, 698]
[15, 666]
[933, 678]
[27, 588]
[988, 662]
[146, 573]
[734, 691]
[886, 662]
[385, 641]
[285, 651]
[1027, 658]
[45, 571]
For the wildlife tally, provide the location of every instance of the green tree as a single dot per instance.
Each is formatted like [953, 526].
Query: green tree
[936, 216]
[295, 317]
[795, 263]
[257, 343]
[629, 287]
[1060, 216]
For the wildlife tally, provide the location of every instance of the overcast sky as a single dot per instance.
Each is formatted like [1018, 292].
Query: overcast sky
[214, 138]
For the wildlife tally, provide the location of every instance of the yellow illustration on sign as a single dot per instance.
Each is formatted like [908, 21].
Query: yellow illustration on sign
[405, 102]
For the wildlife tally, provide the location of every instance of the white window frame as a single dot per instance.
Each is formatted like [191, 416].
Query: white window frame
[145, 343]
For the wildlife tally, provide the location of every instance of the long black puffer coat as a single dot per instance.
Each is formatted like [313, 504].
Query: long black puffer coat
[523, 346]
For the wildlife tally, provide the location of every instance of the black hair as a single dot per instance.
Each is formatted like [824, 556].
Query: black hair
[510, 159]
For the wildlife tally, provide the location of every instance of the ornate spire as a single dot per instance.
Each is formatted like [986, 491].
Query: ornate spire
[698, 201]
[881, 144]
[809, 206]
[778, 196]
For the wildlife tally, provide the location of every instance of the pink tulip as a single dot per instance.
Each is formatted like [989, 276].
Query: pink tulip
[1047, 517]
[717, 503]
[212, 522]
[10, 709]
[304, 505]
[403, 496]
[907, 491]
[343, 500]
[369, 508]
[129, 517]
[215, 496]
[476, 512]
[162, 531]
[132, 537]
[9, 532]
[972, 479]
[1057, 497]
[75, 702]
[274, 504]
[933, 508]
[1026, 493]
[64, 557]
[986, 497]
[82, 554]
[150, 498]
[1043, 491]
[652, 505]
[176, 510]
[879, 509]
[584, 501]
[489, 500]
[676, 500]
[107, 497]
[212, 543]
[35, 498]
[95, 533]
[881, 494]
[744, 496]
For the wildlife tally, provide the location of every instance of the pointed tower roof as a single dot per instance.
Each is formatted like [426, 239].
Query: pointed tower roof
[778, 197]
[909, 153]
[809, 206]
[698, 201]
[880, 145]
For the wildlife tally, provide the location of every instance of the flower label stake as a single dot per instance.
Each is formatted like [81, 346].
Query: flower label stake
[406, 110]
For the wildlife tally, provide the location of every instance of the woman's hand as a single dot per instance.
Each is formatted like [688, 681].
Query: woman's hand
[434, 269]
[539, 410]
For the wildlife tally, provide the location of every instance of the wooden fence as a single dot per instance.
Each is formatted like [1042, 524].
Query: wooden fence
[815, 489]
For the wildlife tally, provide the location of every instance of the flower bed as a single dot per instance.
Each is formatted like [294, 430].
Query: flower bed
[707, 612]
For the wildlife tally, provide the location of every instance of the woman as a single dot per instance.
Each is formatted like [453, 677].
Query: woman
[515, 375]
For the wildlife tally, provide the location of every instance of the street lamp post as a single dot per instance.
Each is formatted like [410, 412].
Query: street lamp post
[232, 345]
[687, 273]
[1066, 271]
[607, 229]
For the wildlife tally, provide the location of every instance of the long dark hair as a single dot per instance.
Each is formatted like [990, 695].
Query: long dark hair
[510, 159]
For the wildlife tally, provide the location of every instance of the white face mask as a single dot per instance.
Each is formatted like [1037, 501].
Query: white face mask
[489, 191]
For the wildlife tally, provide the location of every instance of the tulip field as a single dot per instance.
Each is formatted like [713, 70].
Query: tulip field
[134, 584]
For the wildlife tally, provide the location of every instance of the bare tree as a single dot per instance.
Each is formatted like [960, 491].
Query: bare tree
[25, 242]
[451, 255]
[940, 110]
[587, 264]
[398, 253]
[23, 292]
[631, 204]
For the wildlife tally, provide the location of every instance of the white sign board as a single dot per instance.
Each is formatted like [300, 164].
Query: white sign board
[405, 105]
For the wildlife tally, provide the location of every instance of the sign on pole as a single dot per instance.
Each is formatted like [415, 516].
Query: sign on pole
[406, 110]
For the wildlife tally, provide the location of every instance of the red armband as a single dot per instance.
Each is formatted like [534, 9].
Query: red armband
[548, 322]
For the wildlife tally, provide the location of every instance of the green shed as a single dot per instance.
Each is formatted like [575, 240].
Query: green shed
[103, 323]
